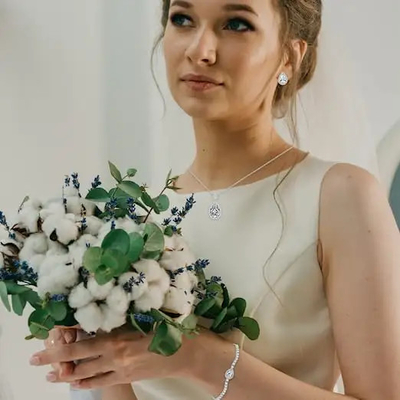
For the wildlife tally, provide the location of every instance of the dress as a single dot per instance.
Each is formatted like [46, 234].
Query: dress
[296, 332]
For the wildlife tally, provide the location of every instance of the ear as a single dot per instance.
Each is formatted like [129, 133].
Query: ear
[299, 48]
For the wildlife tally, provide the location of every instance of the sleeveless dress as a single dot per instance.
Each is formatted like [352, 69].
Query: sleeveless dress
[249, 247]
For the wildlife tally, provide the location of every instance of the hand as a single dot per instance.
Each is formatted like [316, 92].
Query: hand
[122, 356]
[58, 337]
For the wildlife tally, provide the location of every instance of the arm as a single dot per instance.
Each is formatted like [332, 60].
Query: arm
[120, 392]
[361, 264]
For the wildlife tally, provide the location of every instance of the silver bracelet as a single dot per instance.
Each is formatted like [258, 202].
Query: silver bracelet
[229, 374]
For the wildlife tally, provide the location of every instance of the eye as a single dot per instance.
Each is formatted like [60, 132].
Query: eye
[239, 25]
[179, 20]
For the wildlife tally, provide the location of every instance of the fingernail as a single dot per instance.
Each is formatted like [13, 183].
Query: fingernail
[51, 377]
[68, 337]
[34, 360]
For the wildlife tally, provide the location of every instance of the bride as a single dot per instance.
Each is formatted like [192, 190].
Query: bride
[312, 244]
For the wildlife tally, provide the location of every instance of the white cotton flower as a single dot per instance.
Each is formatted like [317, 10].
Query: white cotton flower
[89, 317]
[71, 191]
[179, 301]
[62, 229]
[128, 225]
[74, 206]
[100, 292]
[52, 208]
[93, 225]
[36, 262]
[150, 268]
[137, 290]
[33, 203]
[34, 244]
[182, 281]
[65, 275]
[56, 249]
[52, 261]
[28, 218]
[111, 319]
[177, 254]
[3, 233]
[118, 300]
[79, 297]
[152, 298]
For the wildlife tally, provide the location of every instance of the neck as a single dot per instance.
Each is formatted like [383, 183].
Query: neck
[227, 151]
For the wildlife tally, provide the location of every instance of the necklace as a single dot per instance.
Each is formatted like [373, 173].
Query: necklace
[215, 209]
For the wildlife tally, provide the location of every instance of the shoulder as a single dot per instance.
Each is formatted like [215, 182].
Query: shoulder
[353, 203]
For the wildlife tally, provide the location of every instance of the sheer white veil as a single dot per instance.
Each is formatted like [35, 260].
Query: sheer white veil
[331, 115]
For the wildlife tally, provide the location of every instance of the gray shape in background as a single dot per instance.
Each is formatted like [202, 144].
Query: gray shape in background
[395, 196]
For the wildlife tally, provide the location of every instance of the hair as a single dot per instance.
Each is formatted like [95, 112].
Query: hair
[300, 20]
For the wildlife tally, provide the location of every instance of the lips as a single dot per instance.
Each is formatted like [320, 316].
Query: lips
[200, 79]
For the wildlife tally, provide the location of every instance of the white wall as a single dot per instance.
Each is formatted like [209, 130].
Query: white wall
[75, 90]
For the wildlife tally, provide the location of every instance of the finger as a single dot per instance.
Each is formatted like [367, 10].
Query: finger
[85, 370]
[69, 352]
[97, 382]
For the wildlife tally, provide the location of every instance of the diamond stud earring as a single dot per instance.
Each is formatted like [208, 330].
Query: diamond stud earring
[283, 79]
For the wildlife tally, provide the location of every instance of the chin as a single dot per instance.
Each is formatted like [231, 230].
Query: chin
[201, 109]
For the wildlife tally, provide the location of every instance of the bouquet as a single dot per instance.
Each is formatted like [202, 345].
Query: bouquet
[99, 263]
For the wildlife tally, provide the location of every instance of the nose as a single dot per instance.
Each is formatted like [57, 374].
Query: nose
[202, 49]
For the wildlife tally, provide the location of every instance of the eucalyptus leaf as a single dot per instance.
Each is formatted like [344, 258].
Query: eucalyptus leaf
[219, 318]
[131, 188]
[204, 305]
[150, 202]
[136, 325]
[225, 326]
[240, 305]
[162, 202]
[115, 172]
[225, 294]
[154, 238]
[131, 172]
[103, 275]
[217, 291]
[117, 239]
[98, 195]
[167, 340]
[33, 299]
[136, 246]
[151, 255]
[92, 258]
[40, 323]
[116, 261]
[190, 322]
[168, 231]
[249, 327]
[14, 288]
[18, 304]
[57, 309]
[120, 213]
[4, 295]
[159, 315]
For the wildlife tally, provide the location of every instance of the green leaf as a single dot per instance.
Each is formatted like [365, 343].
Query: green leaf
[120, 213]
[40, 323]
[136, 246]
[33, 299]
[168, 231]
[99, 195]
[116, 261]
[190, 322]
[131, 172]
[154, 238]
[150, 202]
[169, 176]
[136, 325]
[18, 304]
[219, 318]
[57, 310]
[204, 306]
[162, 202]
[69, 320]
[4, 295]
[14, 288]
[117, 239]
[131, 188]
[217, 291]
[249, 327]
[151, 255]
[115, 172]
[159, 316]
[92, 258]
[225, 326]
[240, 305]
[167, 340]
[232, 313]
[226, 296]
[103, 275]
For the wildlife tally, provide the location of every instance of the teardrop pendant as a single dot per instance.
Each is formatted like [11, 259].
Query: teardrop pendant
[215, 211]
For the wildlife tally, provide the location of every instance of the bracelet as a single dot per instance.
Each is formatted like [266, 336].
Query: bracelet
[229, 374]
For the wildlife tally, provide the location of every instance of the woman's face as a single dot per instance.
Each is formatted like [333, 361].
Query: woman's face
[233, 42]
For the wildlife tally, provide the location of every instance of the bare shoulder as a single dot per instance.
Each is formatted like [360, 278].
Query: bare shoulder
[353, 202]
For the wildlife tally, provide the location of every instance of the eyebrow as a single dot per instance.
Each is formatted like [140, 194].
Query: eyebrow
[226, 7]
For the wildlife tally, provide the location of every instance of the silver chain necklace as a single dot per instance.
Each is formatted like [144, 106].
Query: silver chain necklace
[215, 209]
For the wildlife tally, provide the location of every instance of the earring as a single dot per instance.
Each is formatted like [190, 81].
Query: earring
[283, 79]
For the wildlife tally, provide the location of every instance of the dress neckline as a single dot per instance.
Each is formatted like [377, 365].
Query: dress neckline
[246, 185]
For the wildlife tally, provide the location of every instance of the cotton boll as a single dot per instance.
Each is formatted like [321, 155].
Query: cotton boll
[79, 297]
[89, 317]
[179, 301]
[111, 319]
[55, 208]
[94, 225]
[182, 281]
[36, 243]
[137, 290]
[71, 191]
[86, 239]
[100, 292]
[76, 253]
[36, 262]
[128, 225]
[56, 249]
[3, 233]
[28, 218]
[150, 268]
[67, 231]
[172, 260]
[65, 275]
[33, 203]
[152, 298]
[118, 300]
[52, 261]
